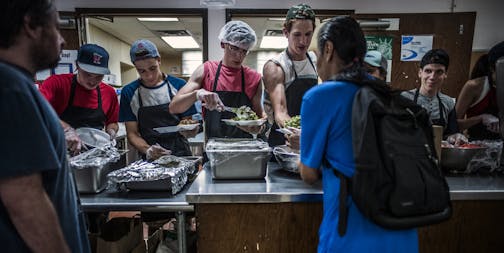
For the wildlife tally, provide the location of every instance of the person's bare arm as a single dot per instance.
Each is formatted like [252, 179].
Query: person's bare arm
[257, 106]
[32, 213]
[186, 96]
[74, 143]
[468, 95]
[308, 174]
[112, 129]
[134, 137]
[113, 126]
[273, 76]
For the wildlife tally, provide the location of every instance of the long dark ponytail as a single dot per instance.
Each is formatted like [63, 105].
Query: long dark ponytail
[350, 46]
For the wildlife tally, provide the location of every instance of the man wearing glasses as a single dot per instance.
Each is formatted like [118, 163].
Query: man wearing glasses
[225, 83]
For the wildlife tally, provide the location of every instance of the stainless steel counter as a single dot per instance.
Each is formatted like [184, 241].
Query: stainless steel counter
[283, 186]
[278, 186]
[476, 187]
[146, 201]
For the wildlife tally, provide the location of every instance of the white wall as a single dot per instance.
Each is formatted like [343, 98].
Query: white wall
[117, 49]
[487, 32]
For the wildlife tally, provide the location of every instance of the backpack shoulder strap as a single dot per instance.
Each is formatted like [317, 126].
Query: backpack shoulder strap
[342, 198]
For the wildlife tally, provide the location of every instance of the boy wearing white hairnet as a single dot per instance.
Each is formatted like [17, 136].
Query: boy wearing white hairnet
[225, 83]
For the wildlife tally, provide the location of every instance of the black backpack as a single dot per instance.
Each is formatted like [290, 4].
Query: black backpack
[397, 183]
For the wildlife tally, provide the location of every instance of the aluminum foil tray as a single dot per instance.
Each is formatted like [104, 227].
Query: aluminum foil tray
[168, 173]
[91, 168]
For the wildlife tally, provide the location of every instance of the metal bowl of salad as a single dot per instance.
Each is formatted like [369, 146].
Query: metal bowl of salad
[456, 158]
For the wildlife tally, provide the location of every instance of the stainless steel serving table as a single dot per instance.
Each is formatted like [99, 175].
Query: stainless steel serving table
[247, 203]
[283, 186]
[278, 186]
[148, 201]
[476, 186]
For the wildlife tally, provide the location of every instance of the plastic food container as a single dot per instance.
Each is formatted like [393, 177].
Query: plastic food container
[287, 158]
[238, 158]
[93, 137]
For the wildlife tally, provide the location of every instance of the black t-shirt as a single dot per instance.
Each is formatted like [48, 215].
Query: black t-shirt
[33, 142]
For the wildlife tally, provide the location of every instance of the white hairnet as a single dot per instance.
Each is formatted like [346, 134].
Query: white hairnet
[238, 33]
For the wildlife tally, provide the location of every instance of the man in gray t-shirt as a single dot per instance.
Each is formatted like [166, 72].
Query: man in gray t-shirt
[39, 209]
[432, 74]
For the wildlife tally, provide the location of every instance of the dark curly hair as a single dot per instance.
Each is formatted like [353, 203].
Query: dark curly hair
[435, 56]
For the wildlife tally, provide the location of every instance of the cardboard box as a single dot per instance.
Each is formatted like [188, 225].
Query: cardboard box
[120, 235]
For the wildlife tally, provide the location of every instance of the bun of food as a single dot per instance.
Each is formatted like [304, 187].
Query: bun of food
[188, 122]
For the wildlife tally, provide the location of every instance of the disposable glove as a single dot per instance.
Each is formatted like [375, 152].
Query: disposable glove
[457, 139]
[155, 151]
[491, 122]
[293, 140]
[74, 143]
[112, 133]
[209, 100]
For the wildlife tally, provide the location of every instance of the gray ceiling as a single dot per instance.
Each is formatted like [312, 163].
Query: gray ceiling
[129, 29]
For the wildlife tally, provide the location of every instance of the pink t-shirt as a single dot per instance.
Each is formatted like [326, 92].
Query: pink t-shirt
[230, 78]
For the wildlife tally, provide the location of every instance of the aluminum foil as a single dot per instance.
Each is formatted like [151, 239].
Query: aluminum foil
[173, 170]
[95, 158]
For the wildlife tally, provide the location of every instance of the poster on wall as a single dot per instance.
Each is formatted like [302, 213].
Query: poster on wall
[383, 44]
[414, 47]
[67, 61]
[66, 65]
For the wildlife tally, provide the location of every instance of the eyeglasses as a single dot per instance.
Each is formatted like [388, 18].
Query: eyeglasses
[237, 50]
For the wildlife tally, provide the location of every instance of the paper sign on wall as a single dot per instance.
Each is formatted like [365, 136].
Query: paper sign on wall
[414, 47]
[66, 65]
[68, 58]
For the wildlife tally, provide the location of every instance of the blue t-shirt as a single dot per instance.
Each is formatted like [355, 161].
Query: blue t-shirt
[33, 142]
[326, 114]
[128, 110]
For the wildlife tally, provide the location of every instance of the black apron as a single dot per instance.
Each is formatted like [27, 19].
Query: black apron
[214, 127]
[150, 117]
[441, 121]
[480, 131]
[77, 116]
[294, 97]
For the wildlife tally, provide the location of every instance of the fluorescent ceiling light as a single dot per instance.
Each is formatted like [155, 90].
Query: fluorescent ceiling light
[273, 42]
[158, 19]
[179, 42]
[217, 3]
[276, 19]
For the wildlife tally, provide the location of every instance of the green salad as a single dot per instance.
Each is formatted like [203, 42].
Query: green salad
[294, 122]
[245, 113]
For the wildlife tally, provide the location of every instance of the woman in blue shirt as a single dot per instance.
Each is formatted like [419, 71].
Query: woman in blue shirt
[326, 121]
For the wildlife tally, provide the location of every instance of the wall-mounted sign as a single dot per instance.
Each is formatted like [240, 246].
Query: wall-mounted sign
[383, 44]
[66, 65]
[414, 47]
